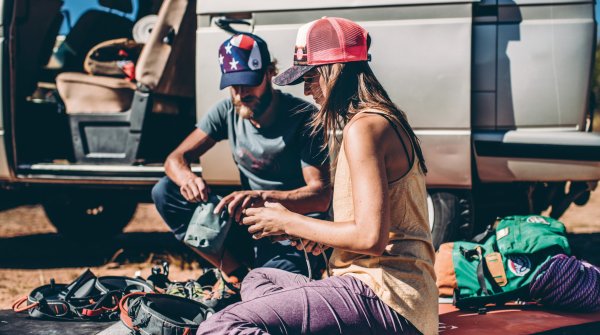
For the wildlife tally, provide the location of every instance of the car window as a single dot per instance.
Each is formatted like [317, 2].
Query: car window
[73, 9]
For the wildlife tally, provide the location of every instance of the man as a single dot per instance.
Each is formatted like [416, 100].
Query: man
[278, 158]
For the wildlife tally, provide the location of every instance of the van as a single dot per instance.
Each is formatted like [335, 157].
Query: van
[498, 92]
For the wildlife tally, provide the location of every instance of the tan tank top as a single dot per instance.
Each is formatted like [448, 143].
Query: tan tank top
[403, 277]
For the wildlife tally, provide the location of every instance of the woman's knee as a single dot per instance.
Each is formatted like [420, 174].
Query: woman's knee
[260, 279]
[262, 274]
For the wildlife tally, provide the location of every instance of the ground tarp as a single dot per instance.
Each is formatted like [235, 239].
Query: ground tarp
[12, 323]
[512, 320]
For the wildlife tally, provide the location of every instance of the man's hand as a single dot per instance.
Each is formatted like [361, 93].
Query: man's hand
[236, 202]
[195, 190]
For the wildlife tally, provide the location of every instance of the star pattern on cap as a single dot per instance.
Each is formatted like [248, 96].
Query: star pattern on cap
[233, 64]
[228, 48]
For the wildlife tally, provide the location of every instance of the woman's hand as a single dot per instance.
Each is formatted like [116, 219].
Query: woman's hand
[270, 220]
[238, 201]
[310, 246]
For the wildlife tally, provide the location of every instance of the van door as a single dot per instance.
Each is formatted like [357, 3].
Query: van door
[4, 80]
[531, 84]
[421, 52]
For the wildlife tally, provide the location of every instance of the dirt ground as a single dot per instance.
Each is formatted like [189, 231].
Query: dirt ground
[31, 252]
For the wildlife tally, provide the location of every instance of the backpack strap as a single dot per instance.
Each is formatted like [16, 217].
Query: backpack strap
[481, 237]
[480, 270]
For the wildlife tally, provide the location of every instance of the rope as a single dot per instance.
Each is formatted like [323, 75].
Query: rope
[567, 283]
[308, 261]
[16, 305]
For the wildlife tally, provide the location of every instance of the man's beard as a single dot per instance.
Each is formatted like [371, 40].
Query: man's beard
[260, 104]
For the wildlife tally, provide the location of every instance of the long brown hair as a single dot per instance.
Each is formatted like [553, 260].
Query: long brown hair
[352, 87]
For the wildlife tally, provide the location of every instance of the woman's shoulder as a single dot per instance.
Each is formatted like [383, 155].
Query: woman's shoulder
[367, 122]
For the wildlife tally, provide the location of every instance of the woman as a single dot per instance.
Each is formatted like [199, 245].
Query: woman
[382, 279]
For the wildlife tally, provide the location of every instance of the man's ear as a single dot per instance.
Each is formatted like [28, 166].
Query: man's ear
[272, 68]
[269, 74]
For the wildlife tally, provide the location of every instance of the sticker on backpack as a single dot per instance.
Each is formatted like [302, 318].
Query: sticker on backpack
[519, 265]
[537, 219]
[502, 233]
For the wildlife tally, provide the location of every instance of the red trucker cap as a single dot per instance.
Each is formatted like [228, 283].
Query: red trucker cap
[325, 41]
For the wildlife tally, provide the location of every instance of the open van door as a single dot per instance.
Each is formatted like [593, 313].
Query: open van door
[89, 167]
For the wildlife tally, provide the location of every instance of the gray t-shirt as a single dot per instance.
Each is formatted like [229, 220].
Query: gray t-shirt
[269, 158]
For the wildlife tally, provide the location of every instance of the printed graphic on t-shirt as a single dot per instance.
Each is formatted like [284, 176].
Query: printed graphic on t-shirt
[263, 163]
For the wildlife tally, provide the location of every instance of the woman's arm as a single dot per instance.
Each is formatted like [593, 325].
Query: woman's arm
[368, 232]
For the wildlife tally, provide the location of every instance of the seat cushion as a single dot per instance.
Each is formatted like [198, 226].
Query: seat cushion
[83, 93]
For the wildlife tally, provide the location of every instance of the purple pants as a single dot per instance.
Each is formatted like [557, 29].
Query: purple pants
[279, 302]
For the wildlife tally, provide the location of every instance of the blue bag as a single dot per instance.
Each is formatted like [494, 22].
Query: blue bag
[207, 231]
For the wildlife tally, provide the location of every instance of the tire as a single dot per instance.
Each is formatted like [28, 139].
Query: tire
[98, 214]
[493, 201]
[449, 217]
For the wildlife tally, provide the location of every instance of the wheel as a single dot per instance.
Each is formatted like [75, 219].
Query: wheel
[449, 216]
[493, 201]
[98, 214]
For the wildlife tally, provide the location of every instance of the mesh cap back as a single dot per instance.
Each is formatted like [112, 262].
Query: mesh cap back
[325, 41]
[330, 40]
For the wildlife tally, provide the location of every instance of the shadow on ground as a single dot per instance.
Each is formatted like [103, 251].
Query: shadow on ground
[14, 198]
[43, 251]
[586, 247]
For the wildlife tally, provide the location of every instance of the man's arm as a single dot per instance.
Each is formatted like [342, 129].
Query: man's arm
[314, 197]
[178, 169]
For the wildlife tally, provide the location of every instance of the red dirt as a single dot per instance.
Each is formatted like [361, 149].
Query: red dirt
[31, 220]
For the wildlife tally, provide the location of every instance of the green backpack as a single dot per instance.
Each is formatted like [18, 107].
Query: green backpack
[501, 266]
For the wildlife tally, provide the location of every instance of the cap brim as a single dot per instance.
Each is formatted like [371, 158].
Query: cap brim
[247, 78]
[293, 75]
